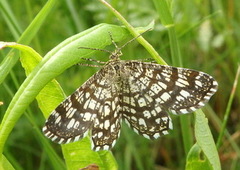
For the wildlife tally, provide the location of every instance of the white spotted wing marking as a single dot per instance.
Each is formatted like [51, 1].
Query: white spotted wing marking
[72, 119]
[106, 128]
[140, 93]
[94, 106]
[151, 90]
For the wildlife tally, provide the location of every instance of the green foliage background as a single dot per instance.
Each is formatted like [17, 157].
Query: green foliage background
[207, 35]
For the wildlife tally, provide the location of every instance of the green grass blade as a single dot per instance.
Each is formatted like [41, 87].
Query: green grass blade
[164, 11]
[10, 19]
[13, 56]
[227, 113]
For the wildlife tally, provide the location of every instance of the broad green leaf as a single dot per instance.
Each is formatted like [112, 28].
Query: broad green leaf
[196, 160]
[79, 155]
[205, 140]
[5, 164]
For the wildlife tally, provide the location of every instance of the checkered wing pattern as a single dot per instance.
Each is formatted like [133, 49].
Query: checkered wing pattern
[90, 107]
[106, 128]
[138, 92]
[151, 90]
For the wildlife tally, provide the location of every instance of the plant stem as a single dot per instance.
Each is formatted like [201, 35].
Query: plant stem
[141, 40]
[227, 112]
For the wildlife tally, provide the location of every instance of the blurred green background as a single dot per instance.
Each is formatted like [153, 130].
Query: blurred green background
[208, 36]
